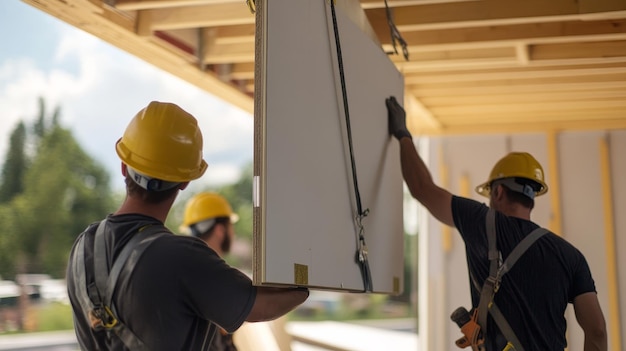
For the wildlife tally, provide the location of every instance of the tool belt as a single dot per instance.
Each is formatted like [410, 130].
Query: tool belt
[468, 323]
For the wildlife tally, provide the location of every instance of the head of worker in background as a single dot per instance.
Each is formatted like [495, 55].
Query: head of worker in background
[210, 217]
[161, 152]
[514, 182]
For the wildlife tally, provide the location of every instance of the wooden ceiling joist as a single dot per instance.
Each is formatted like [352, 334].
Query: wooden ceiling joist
[475, 66]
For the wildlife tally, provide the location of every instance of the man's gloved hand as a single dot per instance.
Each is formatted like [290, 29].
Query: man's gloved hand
[397, 119]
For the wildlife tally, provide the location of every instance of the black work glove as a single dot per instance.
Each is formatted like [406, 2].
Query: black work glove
[397, 119]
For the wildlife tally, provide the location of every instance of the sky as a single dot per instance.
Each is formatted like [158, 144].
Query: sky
[99, 88]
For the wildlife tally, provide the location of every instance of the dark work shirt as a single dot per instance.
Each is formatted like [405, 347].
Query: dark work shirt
[178, 286]
[534, 294]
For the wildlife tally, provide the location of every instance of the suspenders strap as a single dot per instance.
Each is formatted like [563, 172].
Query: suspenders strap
[97, 299]
[496, 272]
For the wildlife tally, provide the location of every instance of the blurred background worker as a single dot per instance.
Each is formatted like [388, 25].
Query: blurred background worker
[209, 216]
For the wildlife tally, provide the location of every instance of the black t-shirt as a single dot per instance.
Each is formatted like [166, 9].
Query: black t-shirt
[534, 294]
[178, 285]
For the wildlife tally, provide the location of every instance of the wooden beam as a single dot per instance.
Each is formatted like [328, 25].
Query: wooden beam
[527, 127]
[106, 27]
[481, 79]
[490, 13]
[534, 97]
[494, 90]
[528, 75]
[235, 34]
[244, 70]
[554, 172]
[525, 32]
[490, 110]
[599, 49]
[231, 53]
[200, 16]
[610, 244]
[377, 4]
[132, 5]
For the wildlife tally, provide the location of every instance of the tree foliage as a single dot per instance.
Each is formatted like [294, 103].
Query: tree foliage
[239, 194]
[64, 190]
[15, 165]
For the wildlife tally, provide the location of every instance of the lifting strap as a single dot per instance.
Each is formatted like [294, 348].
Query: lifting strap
[361, 256]
[96, 299]
[496, 271]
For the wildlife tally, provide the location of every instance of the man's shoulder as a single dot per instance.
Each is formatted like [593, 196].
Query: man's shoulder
[465, 209]
[464, 202]
[180, 248]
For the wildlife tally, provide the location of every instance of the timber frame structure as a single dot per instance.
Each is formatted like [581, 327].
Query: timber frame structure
[474, 66]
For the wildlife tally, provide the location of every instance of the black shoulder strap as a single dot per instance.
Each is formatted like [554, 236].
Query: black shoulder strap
[124, 263]
[496, 272]
[107, 279]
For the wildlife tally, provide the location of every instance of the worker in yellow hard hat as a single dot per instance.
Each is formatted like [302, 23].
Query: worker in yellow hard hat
[209, 217]
[522, 276]
[132, 283]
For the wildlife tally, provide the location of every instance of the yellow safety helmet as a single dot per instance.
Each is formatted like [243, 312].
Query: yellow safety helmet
[163, 142]
[515, 165]
[205, 206]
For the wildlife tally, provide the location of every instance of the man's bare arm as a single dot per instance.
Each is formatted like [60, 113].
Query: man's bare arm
[437, 200]
[420, 183]
[591, 320]
[272, 303]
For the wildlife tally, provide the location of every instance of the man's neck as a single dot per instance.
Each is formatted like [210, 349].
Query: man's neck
[133, 205]
[516, 210]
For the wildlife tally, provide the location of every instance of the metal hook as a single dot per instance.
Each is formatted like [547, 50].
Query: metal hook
[251, 5]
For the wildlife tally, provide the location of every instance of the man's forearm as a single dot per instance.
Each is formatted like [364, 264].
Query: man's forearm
[414, 169]
[596, 345]
[272, 303]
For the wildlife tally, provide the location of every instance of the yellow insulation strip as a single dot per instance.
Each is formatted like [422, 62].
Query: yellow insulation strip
[609, 238]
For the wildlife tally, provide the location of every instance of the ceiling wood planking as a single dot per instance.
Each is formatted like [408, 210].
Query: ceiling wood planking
[475, 65]
[200, 16]
[129, 5]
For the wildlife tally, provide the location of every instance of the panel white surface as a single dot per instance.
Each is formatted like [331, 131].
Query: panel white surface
[305, 211]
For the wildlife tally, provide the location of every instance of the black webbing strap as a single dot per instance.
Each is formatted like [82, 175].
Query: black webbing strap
[486, 293]
[496, 272]
[106, 280]
[361, 254]
[94, 298]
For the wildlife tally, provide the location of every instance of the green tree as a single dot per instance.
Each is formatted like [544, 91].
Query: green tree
[39, 127]
[64, 190]
[8, 241]
[15, 165]
[239, 194]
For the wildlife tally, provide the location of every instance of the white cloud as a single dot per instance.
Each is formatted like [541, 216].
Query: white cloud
[99, 89]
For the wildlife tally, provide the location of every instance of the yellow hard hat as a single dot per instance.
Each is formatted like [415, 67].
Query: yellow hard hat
[164, 142]
[515, 165]
[205, 206]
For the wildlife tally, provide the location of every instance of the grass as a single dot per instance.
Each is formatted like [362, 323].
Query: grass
[38, 318]
[54, 316]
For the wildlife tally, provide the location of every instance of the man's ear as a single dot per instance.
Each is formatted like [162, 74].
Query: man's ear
[219, 231]
[497, 192]
[183, 185]
[124, 169]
